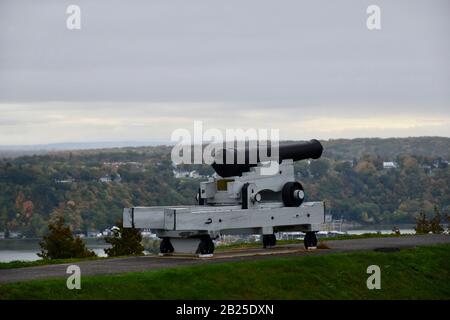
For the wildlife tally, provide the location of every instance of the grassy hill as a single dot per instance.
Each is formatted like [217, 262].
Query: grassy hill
[419, 273]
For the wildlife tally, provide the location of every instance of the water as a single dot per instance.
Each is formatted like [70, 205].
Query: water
[383, 229]
[27, 249]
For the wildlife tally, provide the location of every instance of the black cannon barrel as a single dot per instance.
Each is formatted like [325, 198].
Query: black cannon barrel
[295, 151]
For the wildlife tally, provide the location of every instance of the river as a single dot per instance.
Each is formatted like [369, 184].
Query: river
[27, 249]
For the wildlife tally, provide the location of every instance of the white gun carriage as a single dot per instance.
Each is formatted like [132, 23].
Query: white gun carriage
[238, 199]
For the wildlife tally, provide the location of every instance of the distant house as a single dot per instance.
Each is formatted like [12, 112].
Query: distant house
[390, 165]
[68, 180]
[186, 174]
[105, 179]
[180, 174]
[92, 234]
[15, 235]
[194, 174]
[440, 163]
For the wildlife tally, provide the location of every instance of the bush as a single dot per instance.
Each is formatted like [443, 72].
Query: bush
[435, 224]
[422, 224]
[61, 244]
[448, 219]
[124, 241]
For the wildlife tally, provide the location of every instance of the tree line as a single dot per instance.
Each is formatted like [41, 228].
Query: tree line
[34, 189]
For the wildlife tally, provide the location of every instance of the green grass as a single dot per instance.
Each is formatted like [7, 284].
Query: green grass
[419, 273]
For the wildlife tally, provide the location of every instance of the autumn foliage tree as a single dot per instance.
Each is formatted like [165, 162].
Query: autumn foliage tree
[60, 243]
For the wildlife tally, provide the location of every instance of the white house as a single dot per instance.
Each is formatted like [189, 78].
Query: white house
[389, 165]
[105, 179]
[194, 174]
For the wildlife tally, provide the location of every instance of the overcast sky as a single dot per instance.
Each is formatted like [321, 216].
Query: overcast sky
[137, 70]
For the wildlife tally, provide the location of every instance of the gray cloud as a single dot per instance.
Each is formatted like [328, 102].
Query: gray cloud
[204, 59]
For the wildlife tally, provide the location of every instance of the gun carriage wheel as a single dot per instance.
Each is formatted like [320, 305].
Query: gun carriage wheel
[165, 246]
[310, 240]
[269, 240]
[206, 245]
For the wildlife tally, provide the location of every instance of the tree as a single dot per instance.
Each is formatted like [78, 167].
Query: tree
[435, 224]
[4, 221]
[124, 241]
[422, 224]
[302, 168]
[448, 220]
[61, 244]
[319, 167]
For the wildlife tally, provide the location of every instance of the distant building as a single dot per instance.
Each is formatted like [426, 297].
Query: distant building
[440, 163]
[105, 179]
[15, 235]
[194, 174]
[186, 174]
[390, 165]
[180, 174]
[69, 180]
[92, 234]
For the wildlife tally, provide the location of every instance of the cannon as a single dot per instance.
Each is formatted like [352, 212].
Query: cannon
[295, 151]
[240, 198]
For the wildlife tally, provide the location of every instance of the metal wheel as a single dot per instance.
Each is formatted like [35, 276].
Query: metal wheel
[293, 194]
[273, 240]
[206, 245]
[310, 239]
[269, 240]
[165, 246]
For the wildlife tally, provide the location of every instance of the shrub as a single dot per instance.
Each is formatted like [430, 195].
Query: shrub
[59, 243]
[435, 224]
[124, 241]
[422, 224]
